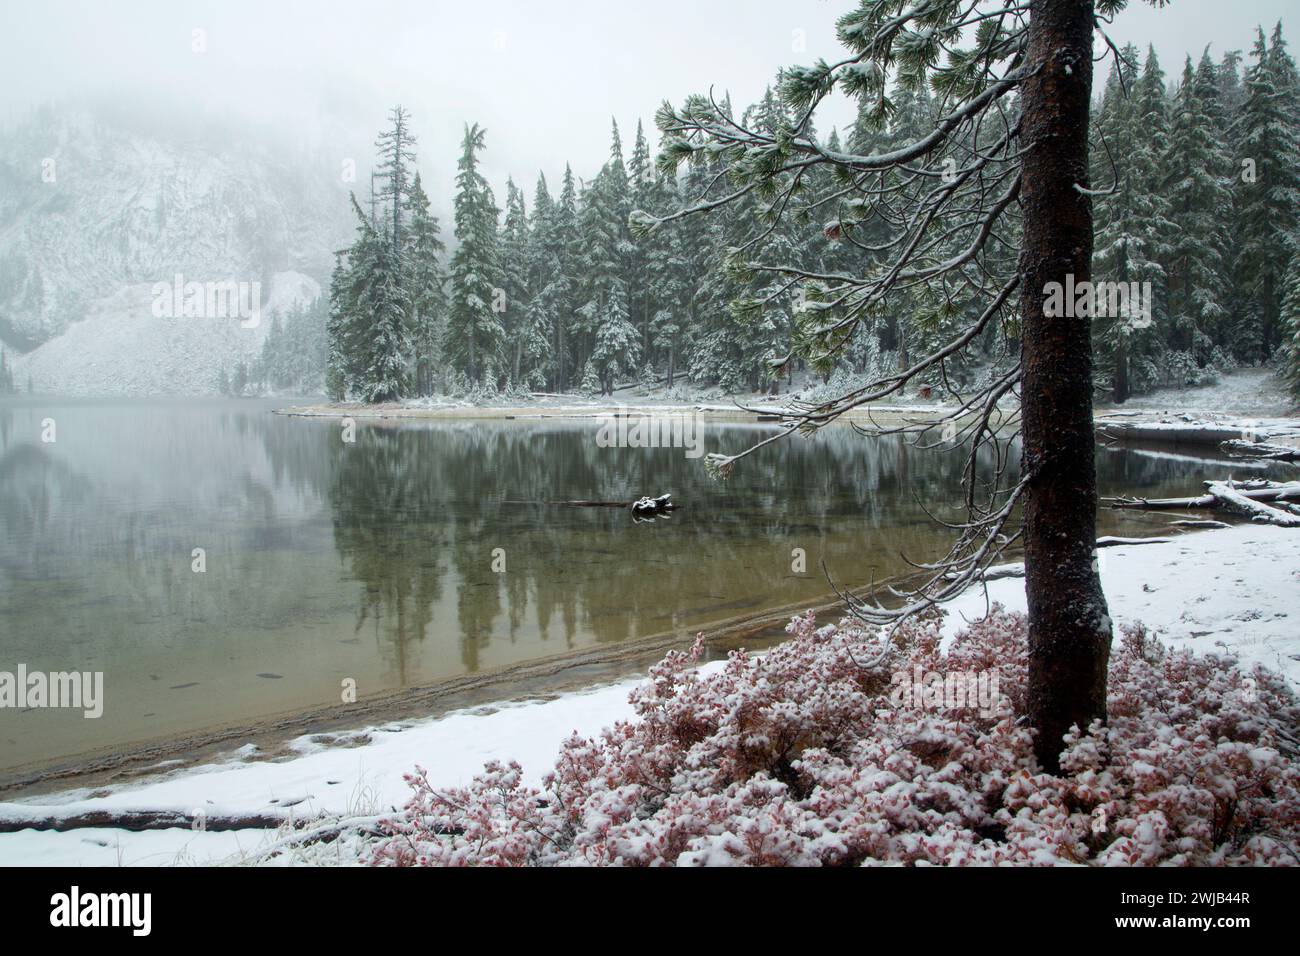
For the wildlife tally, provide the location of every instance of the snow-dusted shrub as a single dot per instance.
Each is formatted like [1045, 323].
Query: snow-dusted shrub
[1222, 361]
[805, 756]
[678, 393]
[1181, 370]
[517, 393]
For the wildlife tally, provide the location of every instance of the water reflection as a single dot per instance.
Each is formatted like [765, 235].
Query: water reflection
[373, 560]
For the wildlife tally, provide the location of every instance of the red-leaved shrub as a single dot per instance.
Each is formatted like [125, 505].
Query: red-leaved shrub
[806, 756]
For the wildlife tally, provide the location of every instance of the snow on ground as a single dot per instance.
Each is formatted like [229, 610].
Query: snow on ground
[1233, 589]
[1250, 391]
[1251, 401]
[1229, 589]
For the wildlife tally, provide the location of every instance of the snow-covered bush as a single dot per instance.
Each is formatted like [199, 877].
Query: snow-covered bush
[1181, 370]
[517, 393]
[807, 756]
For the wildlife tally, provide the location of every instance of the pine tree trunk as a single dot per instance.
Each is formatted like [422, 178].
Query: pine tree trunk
[561, 373]
[1271, 338]
[1121, 383]
[1069, 626]
[1121, 389]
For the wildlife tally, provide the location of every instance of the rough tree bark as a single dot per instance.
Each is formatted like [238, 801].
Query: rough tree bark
[1069, 626]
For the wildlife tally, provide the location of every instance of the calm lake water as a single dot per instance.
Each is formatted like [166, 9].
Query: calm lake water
[374, 560]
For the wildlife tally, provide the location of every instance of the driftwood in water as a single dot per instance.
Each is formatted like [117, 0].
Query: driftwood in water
[652, 507]
[642, 507]
[1247, 498]
[1236, 501]
[662, 503]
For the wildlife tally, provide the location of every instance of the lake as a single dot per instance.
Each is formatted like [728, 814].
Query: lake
[414, 554]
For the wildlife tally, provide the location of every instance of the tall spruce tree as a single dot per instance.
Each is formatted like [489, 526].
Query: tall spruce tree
[546, 286]
[641, 195]
[1289, 353]
[426, 287]
[336, 363]
[564, 289]
[474, 330]
[612, 342]
[382, 299]
[1198, 193]
[1132, 223]
[1267, 182]
[514, 248]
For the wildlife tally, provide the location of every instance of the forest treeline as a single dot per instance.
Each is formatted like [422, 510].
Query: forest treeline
[588, 288]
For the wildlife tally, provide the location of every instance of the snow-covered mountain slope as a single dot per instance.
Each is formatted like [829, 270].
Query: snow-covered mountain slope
[96, 212]
[122, 348]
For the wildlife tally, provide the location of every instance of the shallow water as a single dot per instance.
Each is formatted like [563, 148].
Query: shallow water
[373, 561]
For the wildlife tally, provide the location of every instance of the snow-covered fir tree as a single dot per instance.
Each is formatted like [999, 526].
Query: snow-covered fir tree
[474, 329]
[1131, 224]
[1196, 183]
[381, 297]
[611, 343]
[576, 293]
[1267, 181]
[426, 287]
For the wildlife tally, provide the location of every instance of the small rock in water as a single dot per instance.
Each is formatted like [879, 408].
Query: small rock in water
[270, 676]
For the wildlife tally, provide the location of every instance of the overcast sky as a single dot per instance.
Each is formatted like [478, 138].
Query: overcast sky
[544, 77]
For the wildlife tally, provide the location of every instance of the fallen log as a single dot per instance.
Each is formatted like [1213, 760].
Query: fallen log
[1261, 450]
[137, 821]
[660, 504]
[1287, 492]
[1170, 433]
[1250, 484]
[1237, 502]
[1111, 541]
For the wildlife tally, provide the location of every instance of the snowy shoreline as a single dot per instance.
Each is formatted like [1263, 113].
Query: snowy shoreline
[1247, 406]
[1212, 591]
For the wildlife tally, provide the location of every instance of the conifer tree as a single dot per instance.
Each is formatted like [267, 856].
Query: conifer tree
[381, 298]
[1030, 165]
[1267, 182]
[641, 195]
[541, 272]
[1289, 353]
[1131, 223]
[425, 284]
[396, 147]
[474, 330]
[563, 289]
[514, 246]
[1198, 166]
[612, 345]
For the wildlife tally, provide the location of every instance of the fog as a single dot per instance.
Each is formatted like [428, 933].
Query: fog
[544, 78]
